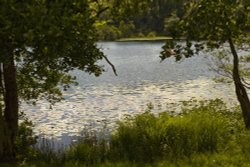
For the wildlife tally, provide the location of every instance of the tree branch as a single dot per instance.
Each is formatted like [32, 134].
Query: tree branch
[100, 9]
[221, 69]
[2, 89]
[245, 83]
[113, 67]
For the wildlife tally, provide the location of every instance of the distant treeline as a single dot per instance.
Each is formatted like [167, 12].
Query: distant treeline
[136, 18]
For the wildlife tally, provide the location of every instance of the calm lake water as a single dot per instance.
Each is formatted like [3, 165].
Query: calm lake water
[142, 79]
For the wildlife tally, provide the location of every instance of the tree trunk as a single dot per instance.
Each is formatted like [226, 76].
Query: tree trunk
[241, 92]
[6, 147]
[9, 118]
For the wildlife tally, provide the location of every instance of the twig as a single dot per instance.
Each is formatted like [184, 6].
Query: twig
[2, 89]
[113, 67]
[100, 9]
[245, 83]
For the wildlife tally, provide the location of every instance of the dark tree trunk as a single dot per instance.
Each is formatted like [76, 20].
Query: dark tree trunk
[239, 87]
[6, 147]
[9, 118]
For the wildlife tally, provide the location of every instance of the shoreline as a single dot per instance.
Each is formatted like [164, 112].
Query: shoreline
[142, 39]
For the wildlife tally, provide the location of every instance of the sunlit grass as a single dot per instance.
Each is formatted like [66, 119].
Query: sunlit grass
[203, 134]
[158, 38]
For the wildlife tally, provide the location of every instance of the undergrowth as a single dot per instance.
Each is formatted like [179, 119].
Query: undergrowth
[204, 133]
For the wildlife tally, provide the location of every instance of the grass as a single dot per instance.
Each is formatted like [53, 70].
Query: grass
[141, 39]
[149, 138]
[204, 134]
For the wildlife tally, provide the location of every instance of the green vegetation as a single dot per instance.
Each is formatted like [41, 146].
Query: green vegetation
[140, 39]
[42, 41]
[222, 26]
[122, 19]
[205, 133]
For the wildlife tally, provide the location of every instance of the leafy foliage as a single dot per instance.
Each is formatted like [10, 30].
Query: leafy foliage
[170, 25]
[140, 16]
[223, 26]
[49, 38]
[26, 139]
[210, 24]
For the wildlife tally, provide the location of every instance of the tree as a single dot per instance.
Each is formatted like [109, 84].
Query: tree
[218, 24]
[41, 41]
[142, 16]
[170, 25]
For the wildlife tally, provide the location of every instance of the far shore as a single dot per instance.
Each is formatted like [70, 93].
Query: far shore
[140, 39]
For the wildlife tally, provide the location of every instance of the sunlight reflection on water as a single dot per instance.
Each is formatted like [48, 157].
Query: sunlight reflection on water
[141, 80]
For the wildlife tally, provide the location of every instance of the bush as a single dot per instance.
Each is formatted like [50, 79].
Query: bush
[140, 35]
[151, 34]
[108, 32]
[126, 28]
[171, 24]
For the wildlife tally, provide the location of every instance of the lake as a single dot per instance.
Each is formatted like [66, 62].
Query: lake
[142, 79]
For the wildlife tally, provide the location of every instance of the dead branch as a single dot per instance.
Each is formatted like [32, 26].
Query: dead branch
[113, 67]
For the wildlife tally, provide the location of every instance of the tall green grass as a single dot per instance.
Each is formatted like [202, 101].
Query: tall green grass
[148, 137]
[205, 134]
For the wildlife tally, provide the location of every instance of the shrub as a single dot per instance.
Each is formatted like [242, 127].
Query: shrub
[170, 25]
[126, 28]
[141, 35]
[108, 32]
[151, 34]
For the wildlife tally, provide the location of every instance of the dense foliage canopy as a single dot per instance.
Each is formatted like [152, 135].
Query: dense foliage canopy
[48, 39]
[41, 41]
[132, 18]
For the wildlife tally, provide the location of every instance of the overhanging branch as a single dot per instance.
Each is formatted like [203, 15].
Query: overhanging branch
[245, 83]
[112, 66]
